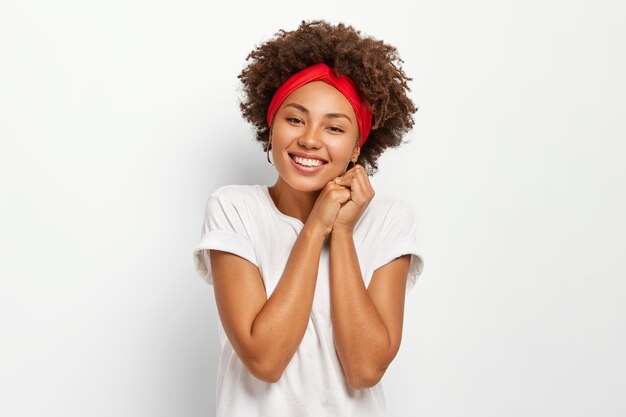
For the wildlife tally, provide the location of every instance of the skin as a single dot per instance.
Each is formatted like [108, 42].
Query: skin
[367, 322]
[301, 124]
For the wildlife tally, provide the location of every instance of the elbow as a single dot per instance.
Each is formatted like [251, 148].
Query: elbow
[264, 365]
[362, 375]
[264, 371]
[362, 379]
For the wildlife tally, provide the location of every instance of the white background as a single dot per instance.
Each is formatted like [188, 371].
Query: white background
[118, 118]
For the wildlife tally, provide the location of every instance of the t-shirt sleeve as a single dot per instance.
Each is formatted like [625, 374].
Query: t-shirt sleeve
[223, 228]
[399, 237]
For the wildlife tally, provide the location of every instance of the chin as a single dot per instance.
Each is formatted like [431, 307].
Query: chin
[307, 184]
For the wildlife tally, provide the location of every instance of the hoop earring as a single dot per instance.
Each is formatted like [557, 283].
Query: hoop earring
[268, 153]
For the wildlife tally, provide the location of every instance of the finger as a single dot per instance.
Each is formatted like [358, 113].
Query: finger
[344, 197]
[345, 179]
[364, 181]
[349, 174]
[355, 166]
[351, 170]
[356, 188]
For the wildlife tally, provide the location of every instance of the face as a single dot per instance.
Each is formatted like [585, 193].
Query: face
[315, 119]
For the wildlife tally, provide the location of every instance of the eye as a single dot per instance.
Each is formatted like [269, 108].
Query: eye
[294, 120]
[336, 129]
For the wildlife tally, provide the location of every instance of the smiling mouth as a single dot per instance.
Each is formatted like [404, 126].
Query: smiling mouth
[296, 158]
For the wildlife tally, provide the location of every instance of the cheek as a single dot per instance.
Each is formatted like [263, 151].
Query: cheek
[339, 151]
[281, 137]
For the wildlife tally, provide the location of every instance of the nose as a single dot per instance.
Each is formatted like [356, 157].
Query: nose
[310, 137]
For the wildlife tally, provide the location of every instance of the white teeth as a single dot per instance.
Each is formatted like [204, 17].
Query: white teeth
[307, 162]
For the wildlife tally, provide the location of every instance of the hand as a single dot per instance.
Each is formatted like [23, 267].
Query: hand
[361, 193]
[326, 208]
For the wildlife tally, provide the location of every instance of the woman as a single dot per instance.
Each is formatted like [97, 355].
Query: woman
[310, 274]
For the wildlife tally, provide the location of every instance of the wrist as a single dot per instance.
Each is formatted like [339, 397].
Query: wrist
[339, 231]
[313, 231]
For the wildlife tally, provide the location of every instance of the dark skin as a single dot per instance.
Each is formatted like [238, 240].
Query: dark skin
[373, 65]
[367, 322]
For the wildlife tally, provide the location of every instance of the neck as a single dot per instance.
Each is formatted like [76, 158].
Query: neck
[293, 202]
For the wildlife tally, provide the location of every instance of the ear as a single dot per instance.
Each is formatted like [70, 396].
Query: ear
[374, 123]
[356, 152]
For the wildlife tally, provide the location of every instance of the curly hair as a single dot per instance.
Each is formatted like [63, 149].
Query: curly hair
[374, 66]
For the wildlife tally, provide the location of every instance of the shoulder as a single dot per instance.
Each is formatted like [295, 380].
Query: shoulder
[233, 200]
[387, 215]
[234, 193]
[232, 206]
[385, 207]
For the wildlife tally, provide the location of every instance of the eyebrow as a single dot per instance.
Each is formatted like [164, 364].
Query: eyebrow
[329, 115]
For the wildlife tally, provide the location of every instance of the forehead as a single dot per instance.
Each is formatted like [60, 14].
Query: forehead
[318, 96]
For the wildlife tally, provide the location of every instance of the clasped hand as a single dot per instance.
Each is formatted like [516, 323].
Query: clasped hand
[361, 193]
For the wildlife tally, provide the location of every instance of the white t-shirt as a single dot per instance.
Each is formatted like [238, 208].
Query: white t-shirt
[243, 219]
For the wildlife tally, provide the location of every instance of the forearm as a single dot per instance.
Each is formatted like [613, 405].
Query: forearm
[280, 326]
[361, 338]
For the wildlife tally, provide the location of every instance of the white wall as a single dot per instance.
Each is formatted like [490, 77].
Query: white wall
[118, 118]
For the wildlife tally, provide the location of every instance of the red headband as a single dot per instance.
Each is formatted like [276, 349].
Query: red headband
[322, 72]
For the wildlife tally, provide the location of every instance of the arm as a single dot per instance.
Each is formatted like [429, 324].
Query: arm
[367, 323]
[264, 332]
